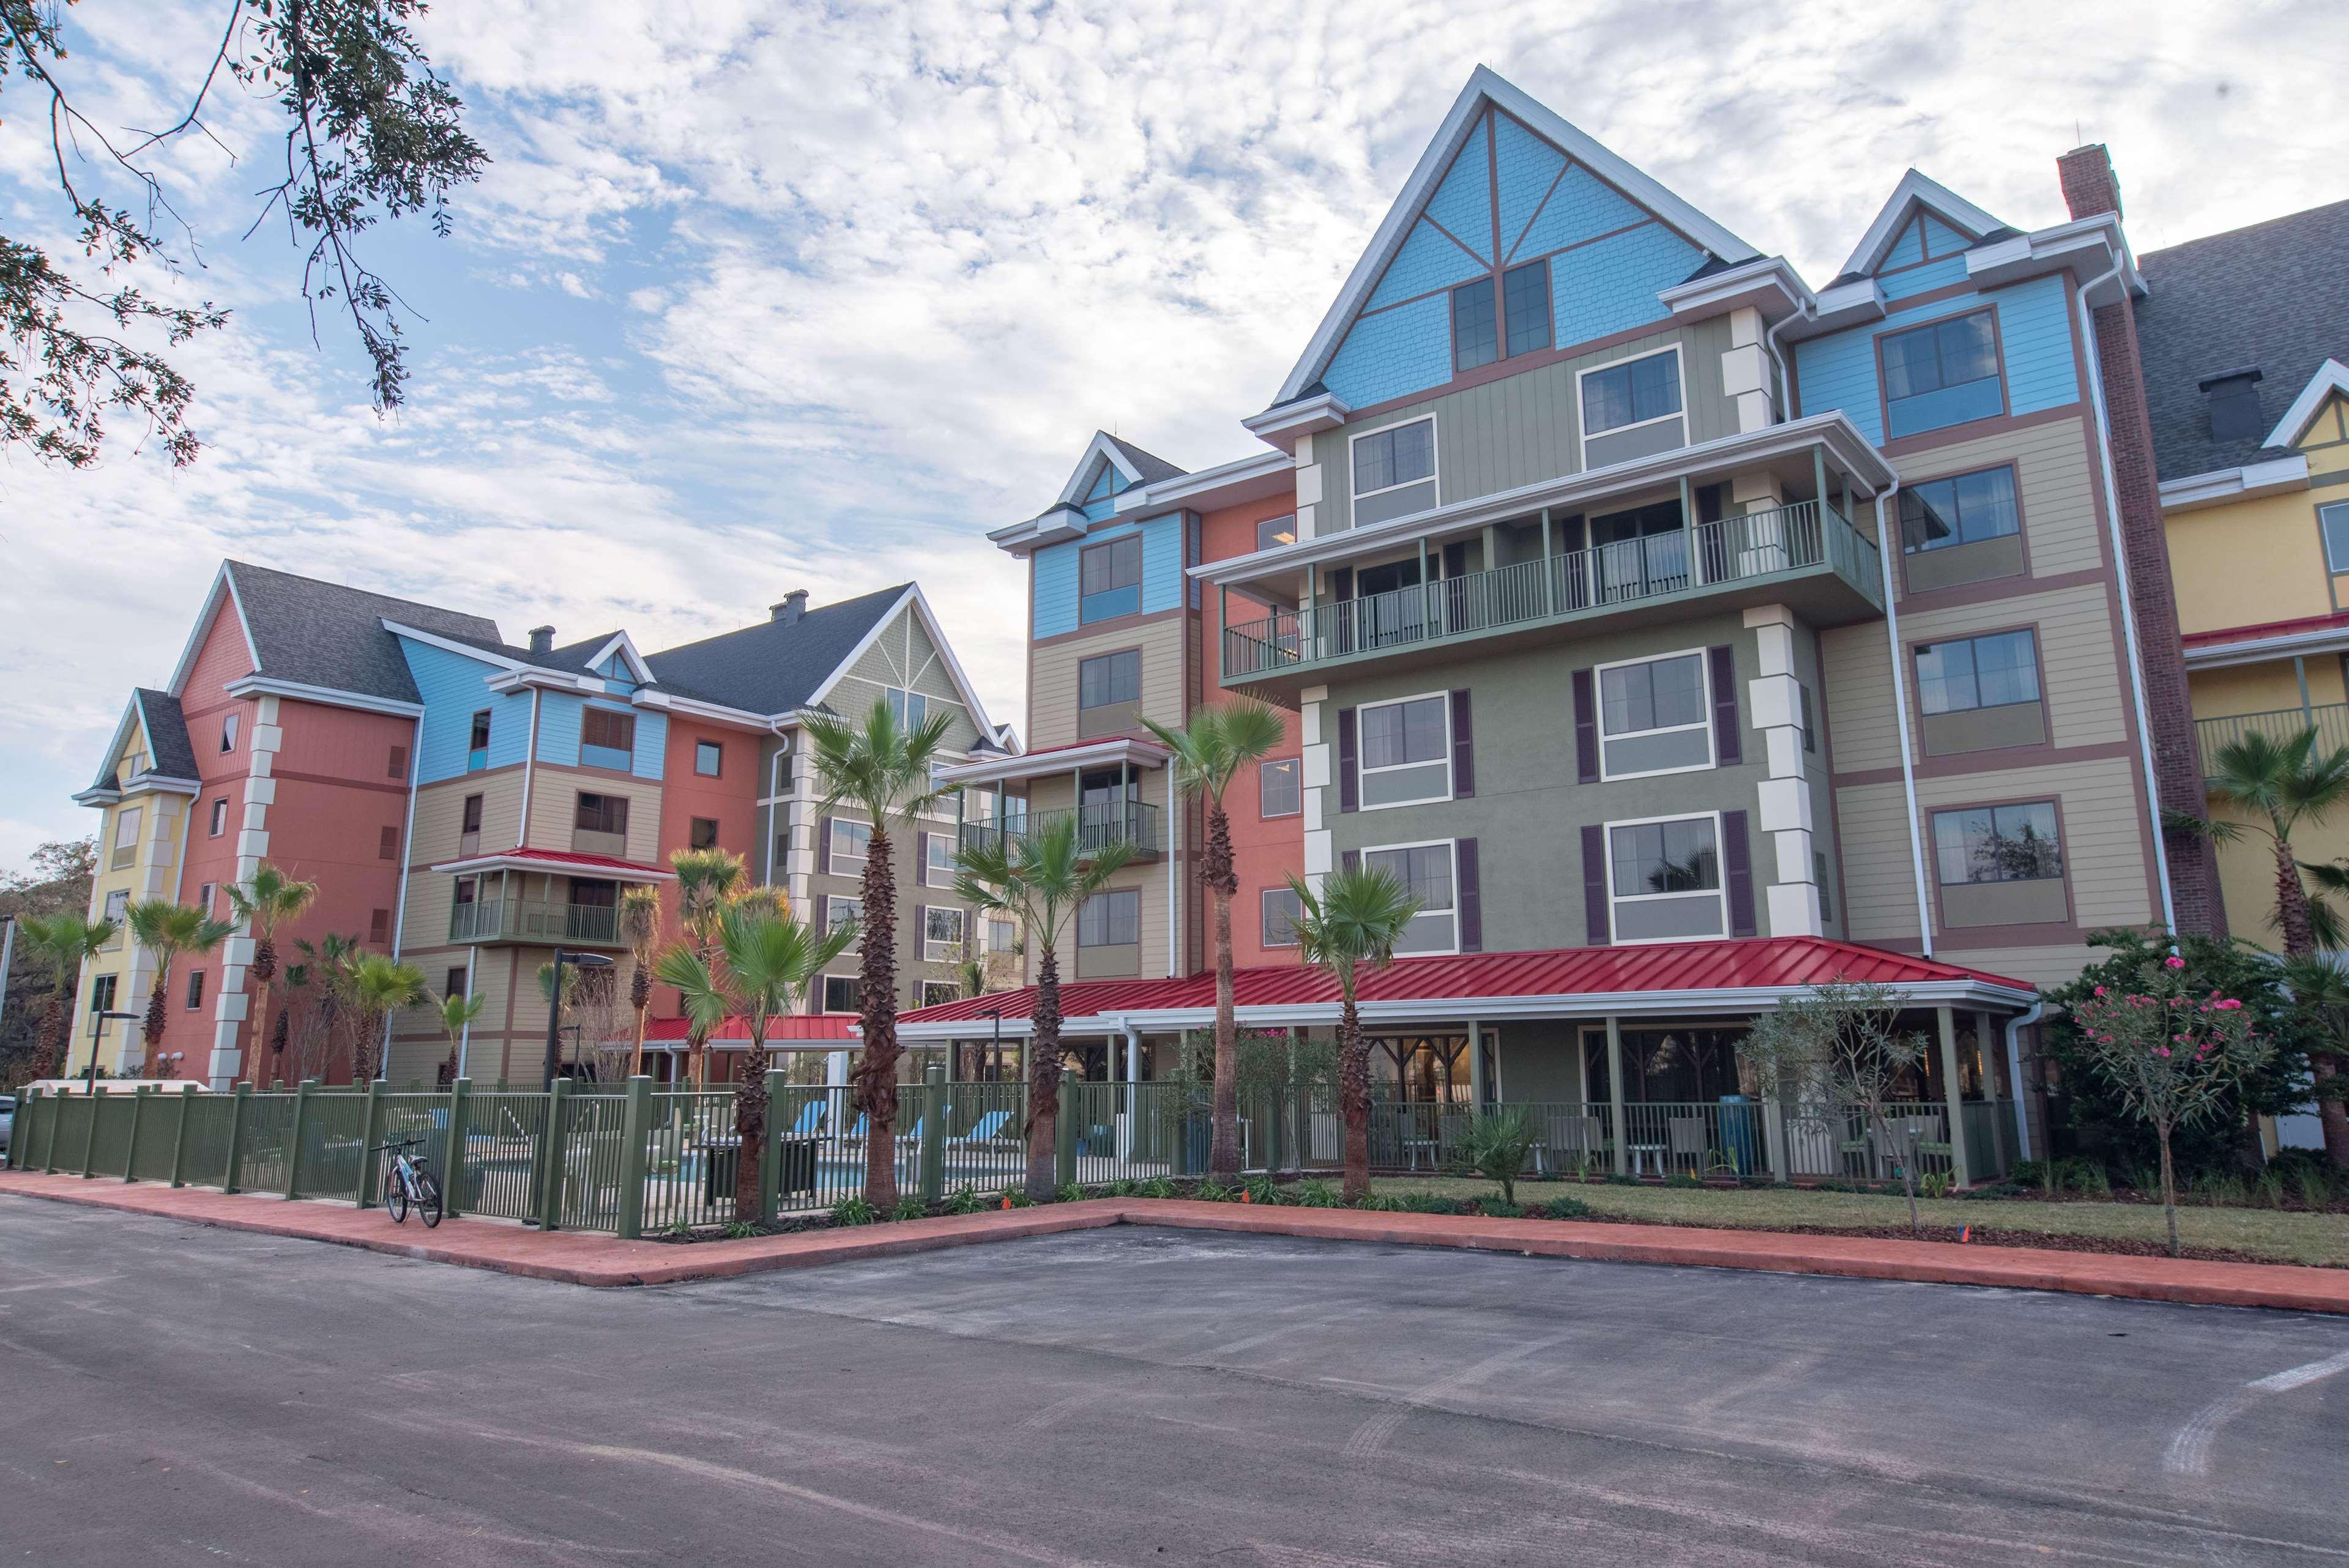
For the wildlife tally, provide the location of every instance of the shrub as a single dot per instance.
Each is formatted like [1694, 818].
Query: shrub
[743, 1230]
[1617, 1179]
[1429, 1203]
[1683, 1178]
[2270, 1188]
[1384, 1203]
[1500, 1208]
[1496, 1147]
[1263, 1189]
[2315, 1187]
[853, 1211]
[1211, 1190]
[963, 1200]
[1017, 1198]
[1560, 1209]
[1067, 1192]
[1158, 1187]
[1125, 1188]
[1936, 1183]
[910, 1209]
[1317, 1194]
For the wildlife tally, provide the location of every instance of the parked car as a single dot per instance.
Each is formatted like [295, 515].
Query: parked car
[7, 1118]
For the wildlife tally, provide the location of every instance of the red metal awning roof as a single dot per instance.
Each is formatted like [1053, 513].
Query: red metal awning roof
[841, 1027]
[1679, 969]
[2263, 630]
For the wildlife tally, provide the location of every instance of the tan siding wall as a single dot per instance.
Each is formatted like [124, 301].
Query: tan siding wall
[554, 801]
[2102, 814]
[1052, 689]
[440, 814]
[2056, 484]
[1878, 879]
[2085, 699]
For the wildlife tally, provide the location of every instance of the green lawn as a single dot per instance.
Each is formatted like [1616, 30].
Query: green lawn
[2282, 1237]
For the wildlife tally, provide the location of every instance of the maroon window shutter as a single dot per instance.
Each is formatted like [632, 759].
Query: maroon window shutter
[1725, 705]
[1594, 880]
[1349, 779]
[921, 931]
[1737, 873]
[922, 858]
[1468, 891]
[1464, 749]
[824, 845]
[1352, 860]
[1586, 730]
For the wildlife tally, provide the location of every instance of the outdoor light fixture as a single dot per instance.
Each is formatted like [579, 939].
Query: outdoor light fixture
[97, 1036]
[554, 1006]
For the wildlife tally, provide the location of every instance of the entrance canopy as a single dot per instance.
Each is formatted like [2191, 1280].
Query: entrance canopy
[1680, 979]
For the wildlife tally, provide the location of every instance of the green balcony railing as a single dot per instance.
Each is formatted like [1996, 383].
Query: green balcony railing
[1751, 545]
[545, 921]
[1133, 821]
[2330, 720]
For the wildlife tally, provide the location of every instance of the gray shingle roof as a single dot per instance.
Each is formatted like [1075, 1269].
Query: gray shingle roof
[2273, 296]
[1152, 467]
[774, 666]
[325, 634]
[174, 757]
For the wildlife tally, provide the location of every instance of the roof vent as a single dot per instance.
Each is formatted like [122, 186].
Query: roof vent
[789, 612]
[2232, 398]
[541, 639]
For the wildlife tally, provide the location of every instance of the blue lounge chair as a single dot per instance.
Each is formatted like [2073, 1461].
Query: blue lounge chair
[810, 1120]
[988, 1128]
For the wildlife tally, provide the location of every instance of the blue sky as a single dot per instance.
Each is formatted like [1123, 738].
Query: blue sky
[758, 297]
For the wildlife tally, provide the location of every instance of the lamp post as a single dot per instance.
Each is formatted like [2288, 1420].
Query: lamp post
[96, 1033]
[996, 1014]
[554, 1006]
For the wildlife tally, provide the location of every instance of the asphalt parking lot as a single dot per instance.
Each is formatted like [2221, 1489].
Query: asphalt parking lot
[170, 1395]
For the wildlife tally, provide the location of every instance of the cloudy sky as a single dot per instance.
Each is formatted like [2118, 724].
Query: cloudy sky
[760, 296]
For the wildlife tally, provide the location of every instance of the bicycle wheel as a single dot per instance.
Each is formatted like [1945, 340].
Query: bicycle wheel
[427, 1199]
[395, 1196]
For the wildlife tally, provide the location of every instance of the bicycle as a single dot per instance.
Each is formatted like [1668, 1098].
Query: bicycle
[406, 1181]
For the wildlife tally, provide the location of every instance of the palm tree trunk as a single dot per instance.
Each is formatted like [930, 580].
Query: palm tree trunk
[1044, 1079]
[636, 1058]
[61, 1007]
[2291, 899]
[1224, 1156]
[259, 1032]
[2169, 1191]
[876, 1075]
[2331, 1113]
[152, 1030]
[750, 1124]
[1354, 1099]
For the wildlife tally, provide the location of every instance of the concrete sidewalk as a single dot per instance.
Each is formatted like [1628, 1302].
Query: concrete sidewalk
[587, 1259]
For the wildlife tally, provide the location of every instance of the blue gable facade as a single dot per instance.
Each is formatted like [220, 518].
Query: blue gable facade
[2036, 365]
[453, 689]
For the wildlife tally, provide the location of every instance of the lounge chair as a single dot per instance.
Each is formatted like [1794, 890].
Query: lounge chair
[987, 1131]
[811, 1121]
[1688, 1141]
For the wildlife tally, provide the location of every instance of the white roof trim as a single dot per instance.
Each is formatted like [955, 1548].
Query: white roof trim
[2331, 377]
[222, 583]
[1486, 85]
[1893, 216]
[2259, 650]
[626, 646]
[1284, 424]
[1059, 524]
[513, 862]
[1766, 278]
[1059, 760]
[1199, 488]
[694, 707]
[921, 606]
[104, 794]
[329, 696]
[2221, 486]
[1100, 447]
[452, 646]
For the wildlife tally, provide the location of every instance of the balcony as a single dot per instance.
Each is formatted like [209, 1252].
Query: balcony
[1806, 555]
[538, 923]
[2330, 720]
[1097, 826]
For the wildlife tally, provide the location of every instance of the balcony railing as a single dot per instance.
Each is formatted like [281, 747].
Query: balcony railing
[545, 922]
[1752, 545]
[1097, 826]
[2330, 720]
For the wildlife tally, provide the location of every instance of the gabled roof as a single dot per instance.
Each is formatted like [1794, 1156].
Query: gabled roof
[776, 667]
[1916, 191]
[164, 732]
[323, 634]
[1138, 467]
[2273, 297]
[1487, 87]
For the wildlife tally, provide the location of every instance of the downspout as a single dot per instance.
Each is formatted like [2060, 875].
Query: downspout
[1900, 712]
[399, 903]
[1770, 341]
[2129, 602]
[2014, 1027]
[529, 762]
[774, 790]
[1174, 882]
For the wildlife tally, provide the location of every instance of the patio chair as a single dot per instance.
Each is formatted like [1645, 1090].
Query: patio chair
[1571, 1140]
[987, 1131]
[1686, 1135]
[811, 1121]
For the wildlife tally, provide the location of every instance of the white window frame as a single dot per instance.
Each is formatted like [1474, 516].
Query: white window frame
[1434, 457]
[1363, 769]
[1705, 711]
[1452, 847]
[2325, 540]
[216, 817]
[229, 727]
[832, 904]
[1298, 764]
[831, 850]
[1112, 893]
[1581, 417]
[903, 706]
[930, 944]
[1262, 523]
[1263, 914]
[1009, 942]
[952, 849]
[824, 1000]
[1721, 866]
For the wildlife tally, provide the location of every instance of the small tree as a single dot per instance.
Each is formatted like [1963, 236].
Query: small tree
[2170, 1054]
[168, 929]
[456, 1015]
[379, 987]
[270, 896]
[65, 943]
[640, 929]
[1843, 1044]
[1354, 922]
[1496, 1147]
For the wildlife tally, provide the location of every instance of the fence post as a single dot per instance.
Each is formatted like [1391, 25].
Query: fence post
[20, 1140]
[934, 1133]
[293, 1139]
[370, 1135]
[771, 1149]
[635, 1130]
[1064, 1142]
[180, 1138]
[453, 1157]
[131, 1151]
[240, 1112]
[49, 1135]
[550, 1154]
[89, 1128]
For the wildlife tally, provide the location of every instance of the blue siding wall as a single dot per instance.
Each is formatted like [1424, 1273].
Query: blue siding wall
[1527, 166]
[2041, 372]
[451, 687]
[1610, 286]
[1906, 251]
[1839, 371]
[1940, 238]
[558, 729]
[1917, 280]
[1582, 208]
[1394, 354]
[1463, 203]
[1427, 262]
[1056, 576]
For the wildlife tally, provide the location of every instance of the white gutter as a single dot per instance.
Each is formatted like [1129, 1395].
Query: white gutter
[774, 791]
[399, 904]
[529, 762]
[2121, 581]
[2014, 1027]
[465, 1035]
[1770, 341]
[1901, 713]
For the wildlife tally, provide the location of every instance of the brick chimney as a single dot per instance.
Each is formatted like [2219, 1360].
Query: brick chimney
[541, 639]
[2090, 186]
[789, 612]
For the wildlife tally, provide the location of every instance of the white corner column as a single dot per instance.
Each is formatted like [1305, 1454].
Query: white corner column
[1775, 698]
[1314, 728]
[1745, 371]
[1309, 486]
[230, 1009]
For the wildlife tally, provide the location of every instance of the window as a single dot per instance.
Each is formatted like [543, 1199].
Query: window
[117, 904]
[1978, 672]
[379, 926]
[1406, 752]
[601, 814]
[850, 841]
[1819, 875]
[386, 844]
[608, 739]
[228, 732]
[1997, 844]
[204, 896]
[911, 709]
[1002, 935]
[1652, 718]
[477, 743]
[126, 834]
[102, 992]
[1943, 373]
[195, 989]
[708, 755]
[703, 834]
[470, 824]
[1108, 579]
[1637, 392]
[1476, 338]
[1110, 678]
[455, 983]
[469, 890]
[1276, 530]
[220, 818]
[941, 934]
[1281, 788]
[396, 767]
[2334, 521]
[938, 992]
[939, 869]
[1281, 907]
[1665, 878]
[1402, 455]
[1810, 730]
[1110, 919]
[1965, 509]
[840, 994]
[1426, 870]
[1524, 298]
[842, 912]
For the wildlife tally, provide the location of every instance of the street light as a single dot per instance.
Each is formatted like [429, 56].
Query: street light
[555, 1004]
[996, 1014]
[98, 1033]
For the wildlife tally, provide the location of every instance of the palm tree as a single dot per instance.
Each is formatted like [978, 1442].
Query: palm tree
[705, 881]
[457, 1014]
[1040, 878]
[2288, 782]
[1360, 914]
[2320, 992]
[640, 916]
[759, 968]
[1209, 753]
[168, 929]
[327, 963]
[65, 941]
[884, 770]
[380, 987]
[259, 904]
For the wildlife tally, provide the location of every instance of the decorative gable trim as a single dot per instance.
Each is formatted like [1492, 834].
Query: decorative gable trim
[1097, 450]
[224, 586]
[912, 598]
[2331, 377]
[1914, 190]
[624, 645]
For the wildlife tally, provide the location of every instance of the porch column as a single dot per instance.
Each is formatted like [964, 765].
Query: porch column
[1986, 1041]
[1951, 1093]
[1478, 1090]
[1129, 1101]
[1620, 1123]
[1549, 569]
[835, 1069]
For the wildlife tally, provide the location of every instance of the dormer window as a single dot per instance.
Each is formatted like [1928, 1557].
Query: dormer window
[2231, 399]
[228, 733]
